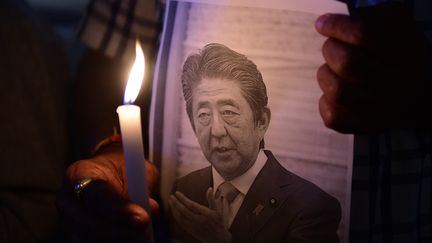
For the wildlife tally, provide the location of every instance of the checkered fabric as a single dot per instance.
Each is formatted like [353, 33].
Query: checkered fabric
[391, 196]
[391, 188]
[113, 25]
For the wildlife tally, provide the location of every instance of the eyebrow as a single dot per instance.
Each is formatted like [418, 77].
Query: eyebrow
[231, 102]
[202, 104]
[228, 102]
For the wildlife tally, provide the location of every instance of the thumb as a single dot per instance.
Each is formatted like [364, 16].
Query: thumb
[225, 211]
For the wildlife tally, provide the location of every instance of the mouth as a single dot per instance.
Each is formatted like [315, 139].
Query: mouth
[222, 151]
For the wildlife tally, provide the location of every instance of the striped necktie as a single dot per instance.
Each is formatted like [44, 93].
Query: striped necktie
[228, 192]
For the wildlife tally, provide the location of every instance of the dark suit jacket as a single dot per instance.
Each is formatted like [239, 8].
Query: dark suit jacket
[293, 209]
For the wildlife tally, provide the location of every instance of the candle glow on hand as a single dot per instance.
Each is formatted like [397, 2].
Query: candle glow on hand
[136, 76]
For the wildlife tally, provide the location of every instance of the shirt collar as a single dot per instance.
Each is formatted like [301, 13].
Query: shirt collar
[244, 181]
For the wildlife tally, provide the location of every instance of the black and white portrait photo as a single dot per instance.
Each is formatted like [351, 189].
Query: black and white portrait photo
[243, 151]
[245, 193]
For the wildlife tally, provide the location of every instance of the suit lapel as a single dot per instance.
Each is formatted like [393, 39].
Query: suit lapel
[196, 188]
[201, 188]
[263, 199]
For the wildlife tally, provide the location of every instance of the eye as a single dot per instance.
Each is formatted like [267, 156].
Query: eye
[230, 116]
[229, 113]
[204, 118]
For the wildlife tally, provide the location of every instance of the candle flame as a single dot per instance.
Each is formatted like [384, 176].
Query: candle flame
[136, 76]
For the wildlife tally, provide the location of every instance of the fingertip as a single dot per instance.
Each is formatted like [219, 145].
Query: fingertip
[173, 202]
[336, 117]
[178, 194]
[210, 199]
[320, 22]
[172, 199]
[139, 220]
[178, 197]
[154, 205]
[321, 75]
[209, 191]
[325, 112]
[137, 215]
[343, 28]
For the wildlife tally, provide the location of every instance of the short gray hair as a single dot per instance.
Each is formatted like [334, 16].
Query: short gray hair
[218, 61]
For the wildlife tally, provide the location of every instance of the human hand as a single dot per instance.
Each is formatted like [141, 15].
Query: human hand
[103, 212]
[205, 224]
[376, 71]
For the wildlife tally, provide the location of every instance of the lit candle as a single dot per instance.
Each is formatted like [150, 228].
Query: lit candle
[130, 127]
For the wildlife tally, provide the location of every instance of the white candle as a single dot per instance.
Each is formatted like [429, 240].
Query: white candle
[130, 126]
[133, 149]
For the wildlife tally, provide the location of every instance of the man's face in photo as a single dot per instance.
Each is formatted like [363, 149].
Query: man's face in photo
[225, 127]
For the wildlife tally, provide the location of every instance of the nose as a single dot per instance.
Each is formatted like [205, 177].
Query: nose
[218, 129]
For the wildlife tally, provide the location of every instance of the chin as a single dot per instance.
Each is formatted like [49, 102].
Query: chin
[228, 176]
[227, 171]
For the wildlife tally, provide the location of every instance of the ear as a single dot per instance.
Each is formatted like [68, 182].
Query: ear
[264, 120]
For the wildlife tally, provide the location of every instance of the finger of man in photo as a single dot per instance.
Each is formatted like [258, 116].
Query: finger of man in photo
[224, 211]
[188, 207]
[215, 206]
[209, 216]
[202, 226]
[199, 229]
[194, 206]
[211, 199]
[183, 215]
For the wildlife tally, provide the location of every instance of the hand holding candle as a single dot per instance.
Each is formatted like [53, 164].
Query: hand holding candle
[105, 211]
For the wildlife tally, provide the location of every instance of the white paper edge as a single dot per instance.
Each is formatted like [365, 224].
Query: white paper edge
[349, 186]
[309, 6]
[169, 149]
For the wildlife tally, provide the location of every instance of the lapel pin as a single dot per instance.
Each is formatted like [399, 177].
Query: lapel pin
[258, 209]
